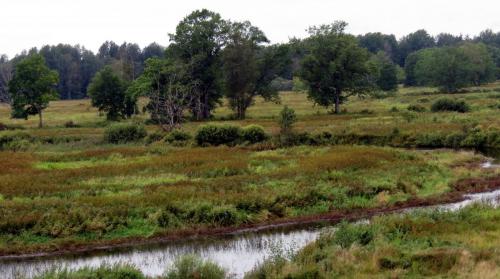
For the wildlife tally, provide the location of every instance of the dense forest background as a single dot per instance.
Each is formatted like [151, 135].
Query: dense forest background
[77, 65]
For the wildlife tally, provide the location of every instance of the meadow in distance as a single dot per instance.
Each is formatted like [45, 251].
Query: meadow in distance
[203, 138]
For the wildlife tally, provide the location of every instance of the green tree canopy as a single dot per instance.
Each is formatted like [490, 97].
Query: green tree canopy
[197, 43]
[168, 88]
[452, 68]
[384, 72]
[32, 87]
[336, 66]
[249, 68]
[108, 93]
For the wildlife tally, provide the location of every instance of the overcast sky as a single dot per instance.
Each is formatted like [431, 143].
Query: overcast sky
[28, 23]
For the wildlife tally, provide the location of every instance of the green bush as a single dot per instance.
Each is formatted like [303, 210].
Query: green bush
[124, 132]
[447, 104]
[192, 267]
[416, 108]
[254, 134]
[177, 136]
[218, 135]
[155, 137]
[15, 141]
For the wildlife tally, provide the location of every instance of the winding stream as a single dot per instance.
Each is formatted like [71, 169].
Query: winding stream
[237, 253]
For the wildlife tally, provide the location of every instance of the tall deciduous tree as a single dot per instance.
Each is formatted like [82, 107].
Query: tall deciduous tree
[249, 68]
[197, 43]
[336, 66]
[107, 91]
[32, 87]
[166, 84]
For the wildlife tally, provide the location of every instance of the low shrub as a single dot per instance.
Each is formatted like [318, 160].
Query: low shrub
[71, 124]
[177, 136]
[191, 266]
[447, 104]
[218, 135]
[154, 137]
[416, 108]
[254, 134]
[15, 141]
[124, 132]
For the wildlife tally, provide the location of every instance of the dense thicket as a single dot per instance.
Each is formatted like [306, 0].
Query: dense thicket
[451, 67]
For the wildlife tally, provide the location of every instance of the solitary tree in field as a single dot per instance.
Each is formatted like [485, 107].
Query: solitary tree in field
[108, 93]
[336, 66]
[32, 87]
[248, 67]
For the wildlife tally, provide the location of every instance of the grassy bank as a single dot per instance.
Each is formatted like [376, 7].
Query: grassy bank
[439, 245]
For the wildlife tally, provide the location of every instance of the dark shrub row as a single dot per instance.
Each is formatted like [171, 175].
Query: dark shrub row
[447, 104]
[474, 138]
[124, 132]
[229, 135]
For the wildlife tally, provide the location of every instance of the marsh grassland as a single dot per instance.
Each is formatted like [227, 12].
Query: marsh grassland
[64, 188]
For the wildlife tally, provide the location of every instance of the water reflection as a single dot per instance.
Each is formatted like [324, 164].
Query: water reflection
[237, 254]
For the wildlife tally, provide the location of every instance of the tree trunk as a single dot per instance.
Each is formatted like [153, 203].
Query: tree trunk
[337, 102]
[206, 109]
[40, 123]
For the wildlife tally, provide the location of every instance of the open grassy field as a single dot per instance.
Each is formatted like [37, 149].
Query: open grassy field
[67, 188]
[364, 116]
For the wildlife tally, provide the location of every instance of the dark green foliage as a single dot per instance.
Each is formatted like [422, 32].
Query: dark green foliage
[193, 267]
[32, 87]
[71, 124]
[417, 40]
[254, 134]
[178, 136]
[154, 137]
[167, 85]
[218, 135]
[286, 119]
[103, 272]
[248, 67]
[446, 104]
[383, 72]
[124, 132]
[15, 141]
[376, 42]
[451, 68]
[108, 93]
[197, 43]
[416, 108]
[335, 66]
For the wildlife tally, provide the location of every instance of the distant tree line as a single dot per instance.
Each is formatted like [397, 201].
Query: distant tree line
[77, 66]
[209, 58]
